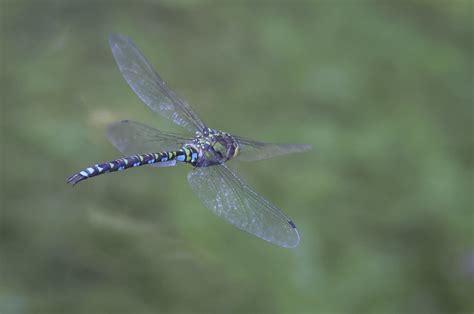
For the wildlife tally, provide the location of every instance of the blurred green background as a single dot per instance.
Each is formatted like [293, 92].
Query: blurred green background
[383, 202]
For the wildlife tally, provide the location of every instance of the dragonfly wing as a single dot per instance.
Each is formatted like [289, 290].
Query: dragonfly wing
[227, 196]
[149, 86]
[132, 138]
[251, 150]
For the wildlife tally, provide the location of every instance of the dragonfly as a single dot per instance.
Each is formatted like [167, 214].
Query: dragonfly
[207, 150]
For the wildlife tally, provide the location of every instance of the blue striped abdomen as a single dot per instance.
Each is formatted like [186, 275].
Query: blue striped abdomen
[122, 164]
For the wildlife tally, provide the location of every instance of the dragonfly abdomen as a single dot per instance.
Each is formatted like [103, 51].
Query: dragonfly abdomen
[122, 164]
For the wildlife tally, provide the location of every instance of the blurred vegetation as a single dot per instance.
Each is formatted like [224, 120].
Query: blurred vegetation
[382, 91]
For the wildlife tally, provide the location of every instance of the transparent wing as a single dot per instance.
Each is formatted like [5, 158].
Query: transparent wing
[251, 150]
[132, 138]
[229, 197]
[149, 86]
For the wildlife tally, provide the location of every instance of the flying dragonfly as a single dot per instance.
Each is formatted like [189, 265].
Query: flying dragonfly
[207, 150]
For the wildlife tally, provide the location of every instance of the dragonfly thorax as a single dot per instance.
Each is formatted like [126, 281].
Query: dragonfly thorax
[214, 147]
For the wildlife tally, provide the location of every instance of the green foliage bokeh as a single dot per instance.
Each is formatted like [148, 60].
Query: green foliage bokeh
[383, 202]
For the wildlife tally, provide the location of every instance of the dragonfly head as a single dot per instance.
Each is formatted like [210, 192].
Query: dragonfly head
[225, 147]
[218, 147]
